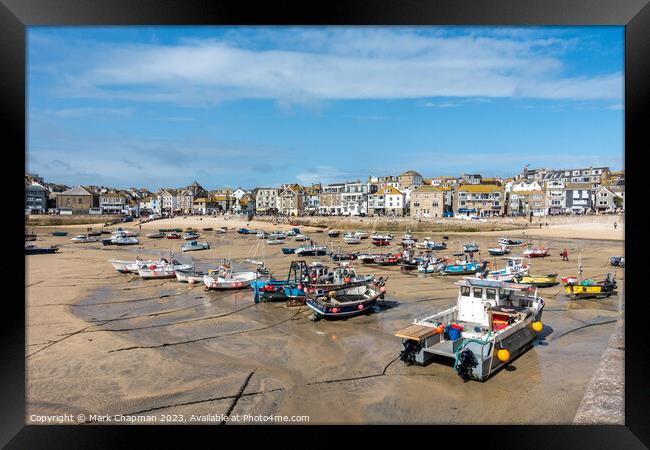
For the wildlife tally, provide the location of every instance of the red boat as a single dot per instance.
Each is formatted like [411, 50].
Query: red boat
[387, 260]
[536, 252]
[173, 236]
[380, 242]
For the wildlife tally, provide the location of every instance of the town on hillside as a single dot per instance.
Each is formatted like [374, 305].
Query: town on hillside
[533, 192]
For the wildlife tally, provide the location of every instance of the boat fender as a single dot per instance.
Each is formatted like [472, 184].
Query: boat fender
[360, 307]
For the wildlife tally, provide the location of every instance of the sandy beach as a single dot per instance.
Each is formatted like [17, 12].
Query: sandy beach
[100, 342]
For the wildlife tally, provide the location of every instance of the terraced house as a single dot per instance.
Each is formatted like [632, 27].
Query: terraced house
[292, 200]
[267, 200]
[329, 203]
[428, 201]
[481, 200]
[386, 201]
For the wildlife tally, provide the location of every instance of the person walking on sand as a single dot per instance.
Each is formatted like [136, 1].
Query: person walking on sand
[614, 225]
[565, 255]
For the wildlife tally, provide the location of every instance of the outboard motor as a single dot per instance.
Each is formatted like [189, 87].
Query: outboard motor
[465, 363]
[411, 348]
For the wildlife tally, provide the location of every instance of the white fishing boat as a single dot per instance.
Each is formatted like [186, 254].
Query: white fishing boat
[190, 276]
[190, 235]
[120, 264]
[300, 237]
[164, 270]
[515, 267]
[134, 266]
[361, 234]
[275, 241]
[83, 238]
[351, 238]
[225, 278]
[277, 235]
[221, 230]
[127, 233]
[381, 237]
[121, 240]
[261, 234]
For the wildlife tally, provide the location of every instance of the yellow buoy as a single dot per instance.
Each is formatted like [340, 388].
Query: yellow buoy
[503, 355]
[537, 326]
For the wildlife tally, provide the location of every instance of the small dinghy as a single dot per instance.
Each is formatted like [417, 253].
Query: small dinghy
[243, 231]
[194, 246]
[191, 235]
[59, 233]
[221, 230]
[82, 238]
[428, 244]
[300, 237]
[470, 248]
[311, 250]
[339, 304]
[617, 261]
[516, 266]
[432, 265]
[260, 235]
[508, 241]
[275, 241]
[547, 280]
[277, 235]
[32, 249]
[206, 229]
[293, 232]
[465, 267]
[361, 234]
[158, 235]
[127, 233]
[333, 233]
[121, 239]
[352, 239]
[288, 251]
[225, 278]
[190, 276]
[173, 235]
[499, 251]
[536, 252]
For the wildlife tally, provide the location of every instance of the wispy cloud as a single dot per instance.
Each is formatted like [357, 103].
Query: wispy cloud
[335, 64]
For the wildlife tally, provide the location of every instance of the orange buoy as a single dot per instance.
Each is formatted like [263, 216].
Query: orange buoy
[537, 326]
[503, 355]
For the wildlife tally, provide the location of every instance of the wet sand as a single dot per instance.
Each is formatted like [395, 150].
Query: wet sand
[100, 342]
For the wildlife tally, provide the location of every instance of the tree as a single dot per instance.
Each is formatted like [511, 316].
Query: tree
[618, 202]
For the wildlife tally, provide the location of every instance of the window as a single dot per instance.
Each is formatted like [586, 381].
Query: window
[490, 294]
[464, 291]
[478, 292]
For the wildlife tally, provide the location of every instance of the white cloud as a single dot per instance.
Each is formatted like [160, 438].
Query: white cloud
[303, 65]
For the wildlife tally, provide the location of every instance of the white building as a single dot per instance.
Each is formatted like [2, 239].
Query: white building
[387, 201]
[267, 200]
[354, 199]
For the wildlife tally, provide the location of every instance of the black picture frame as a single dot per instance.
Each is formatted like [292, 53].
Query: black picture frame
[15, 15]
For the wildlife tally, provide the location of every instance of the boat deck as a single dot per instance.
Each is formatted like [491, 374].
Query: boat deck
[416, 332]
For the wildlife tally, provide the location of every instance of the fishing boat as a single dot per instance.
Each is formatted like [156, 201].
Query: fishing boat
[288, 250]
[547, 280]
[499, 251]
[508, 241]
[275, 241]
[221, 230]
[82, 238]
[432, 264]
[190, 276]
[351, 238]
[120, 239]
[32, 249]
[300, 237]
[316, 276]
[492, 323]
[515, 266]
[617, 261]
[536, 252]
[121, 265]
[361, 234]
[381, 237]
[333, 233]
[465, 267]
[277, 235]
[135, 266]
[589, 288]
[367, 258]
[194, 245]
[158, 235]
[346, 304]
[261, 235]
[156, 272]
[190, 235]
[428, 244]
[225, 278]
[173, 235]
[387, 260]
[293, 232]
[408, 238]
[59, 233]
[127, 233]
[311, 250]
[339, 256]
[470, 248]
[243, 231]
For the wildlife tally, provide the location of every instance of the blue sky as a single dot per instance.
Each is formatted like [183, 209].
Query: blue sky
[259, 106]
